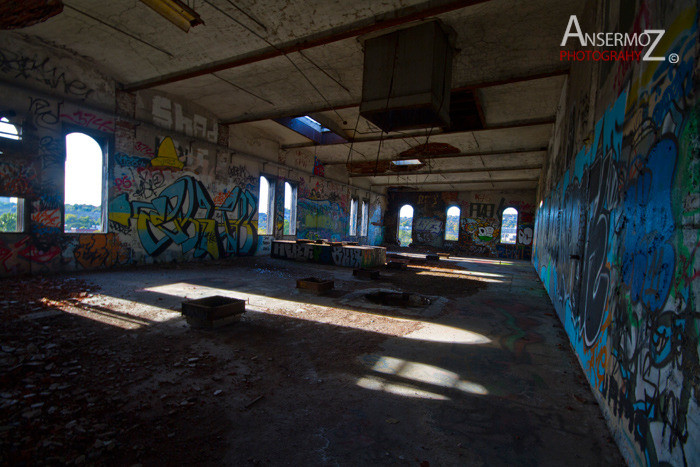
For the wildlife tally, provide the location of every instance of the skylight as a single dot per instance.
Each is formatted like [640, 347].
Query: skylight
[312, 129]
[313, 123]
[407, 162]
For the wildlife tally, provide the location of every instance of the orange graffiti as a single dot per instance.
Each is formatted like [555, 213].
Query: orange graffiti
[47, 218]
[97, 250]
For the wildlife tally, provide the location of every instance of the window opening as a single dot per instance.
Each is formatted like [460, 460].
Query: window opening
[11, 214]
[452, 224]
[290, 209]
[266, 203]
[509, 226]
[353, 217]
[364, 219]
[406, 225]
[8, 130]
[84, 184]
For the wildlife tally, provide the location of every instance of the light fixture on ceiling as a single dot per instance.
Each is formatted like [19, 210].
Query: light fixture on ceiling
[176, 12]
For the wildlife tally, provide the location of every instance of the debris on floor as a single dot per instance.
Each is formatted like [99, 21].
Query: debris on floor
[114, 376]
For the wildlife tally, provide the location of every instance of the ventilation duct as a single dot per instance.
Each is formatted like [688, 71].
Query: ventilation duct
[407, 78]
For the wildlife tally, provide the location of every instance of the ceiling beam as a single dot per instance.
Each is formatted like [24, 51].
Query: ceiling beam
[514, 79]
[455, 156]
[479, 186]
[481, 189]
[345, 105]
[447, 172]
[357, 28]
[456, 182]
[431, 132]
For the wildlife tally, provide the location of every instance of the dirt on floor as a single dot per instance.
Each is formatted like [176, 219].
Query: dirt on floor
[101, 369]
[76, 391]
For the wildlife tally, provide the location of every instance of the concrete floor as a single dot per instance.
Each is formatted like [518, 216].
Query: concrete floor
[483, 375]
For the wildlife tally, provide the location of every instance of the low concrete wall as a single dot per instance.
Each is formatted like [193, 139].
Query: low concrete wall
[345, 255]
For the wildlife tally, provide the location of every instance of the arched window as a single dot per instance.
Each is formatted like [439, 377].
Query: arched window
[509, 226]
[352, 227]
[364, 220]
[290, 209]
[405, 225]
[8, 130]
[84, 184]
[266, 203]
[452, 224]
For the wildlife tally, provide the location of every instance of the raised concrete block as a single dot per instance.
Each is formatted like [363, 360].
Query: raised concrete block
[315, 285]
[214, 311]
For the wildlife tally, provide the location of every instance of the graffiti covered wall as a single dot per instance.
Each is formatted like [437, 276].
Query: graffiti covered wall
[479, 223]
[616, 236]
[174, 190]
[324, 209]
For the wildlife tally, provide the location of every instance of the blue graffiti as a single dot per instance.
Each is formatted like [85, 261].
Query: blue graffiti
[126, 160]
[184, 214]
[648, 260]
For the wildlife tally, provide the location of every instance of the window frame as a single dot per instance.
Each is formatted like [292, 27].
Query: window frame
[106, 143]
[459, 219]
[517, 217]
[271, 184]
[293, 208]
[21, 215]
[9, 136]
[352, 219]
[364, 218]
[398, 222]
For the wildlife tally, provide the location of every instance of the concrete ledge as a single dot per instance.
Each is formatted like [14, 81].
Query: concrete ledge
[353, 256]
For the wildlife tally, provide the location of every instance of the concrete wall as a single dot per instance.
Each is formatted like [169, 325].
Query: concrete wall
[616, 234]
[180, 187]
[480, 221]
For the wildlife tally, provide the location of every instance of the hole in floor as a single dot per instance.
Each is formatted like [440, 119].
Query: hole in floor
[401, 299]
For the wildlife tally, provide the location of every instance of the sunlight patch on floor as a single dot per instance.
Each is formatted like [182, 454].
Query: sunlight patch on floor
[477, 276]
[119, 312]
[421, 373]
[379, 384]
[430, 332]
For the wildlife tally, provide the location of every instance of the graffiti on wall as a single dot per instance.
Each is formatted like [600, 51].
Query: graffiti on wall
[18, 179]
[375, 230]
[428, 231]
[42, 70]
[356, 257]
[320, 219]
[322, 211]
[89, 120]
[171, 115]
[105, 250]
[184, 214]
[25, 249]
[617, 252]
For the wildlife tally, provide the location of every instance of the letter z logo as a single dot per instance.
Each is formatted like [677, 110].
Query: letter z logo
[659, 34]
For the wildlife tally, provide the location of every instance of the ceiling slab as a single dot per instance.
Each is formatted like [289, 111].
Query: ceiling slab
[257, 60]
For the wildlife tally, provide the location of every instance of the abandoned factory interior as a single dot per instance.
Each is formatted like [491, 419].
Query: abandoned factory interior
[325, 232]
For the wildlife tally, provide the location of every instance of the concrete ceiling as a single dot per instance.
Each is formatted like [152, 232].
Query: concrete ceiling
[255, 60]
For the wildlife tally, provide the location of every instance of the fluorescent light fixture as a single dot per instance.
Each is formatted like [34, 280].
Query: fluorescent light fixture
[176, 12]
[407, 162]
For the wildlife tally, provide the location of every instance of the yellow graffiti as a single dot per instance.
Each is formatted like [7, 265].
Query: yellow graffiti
[682, 23]
[167, 155]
